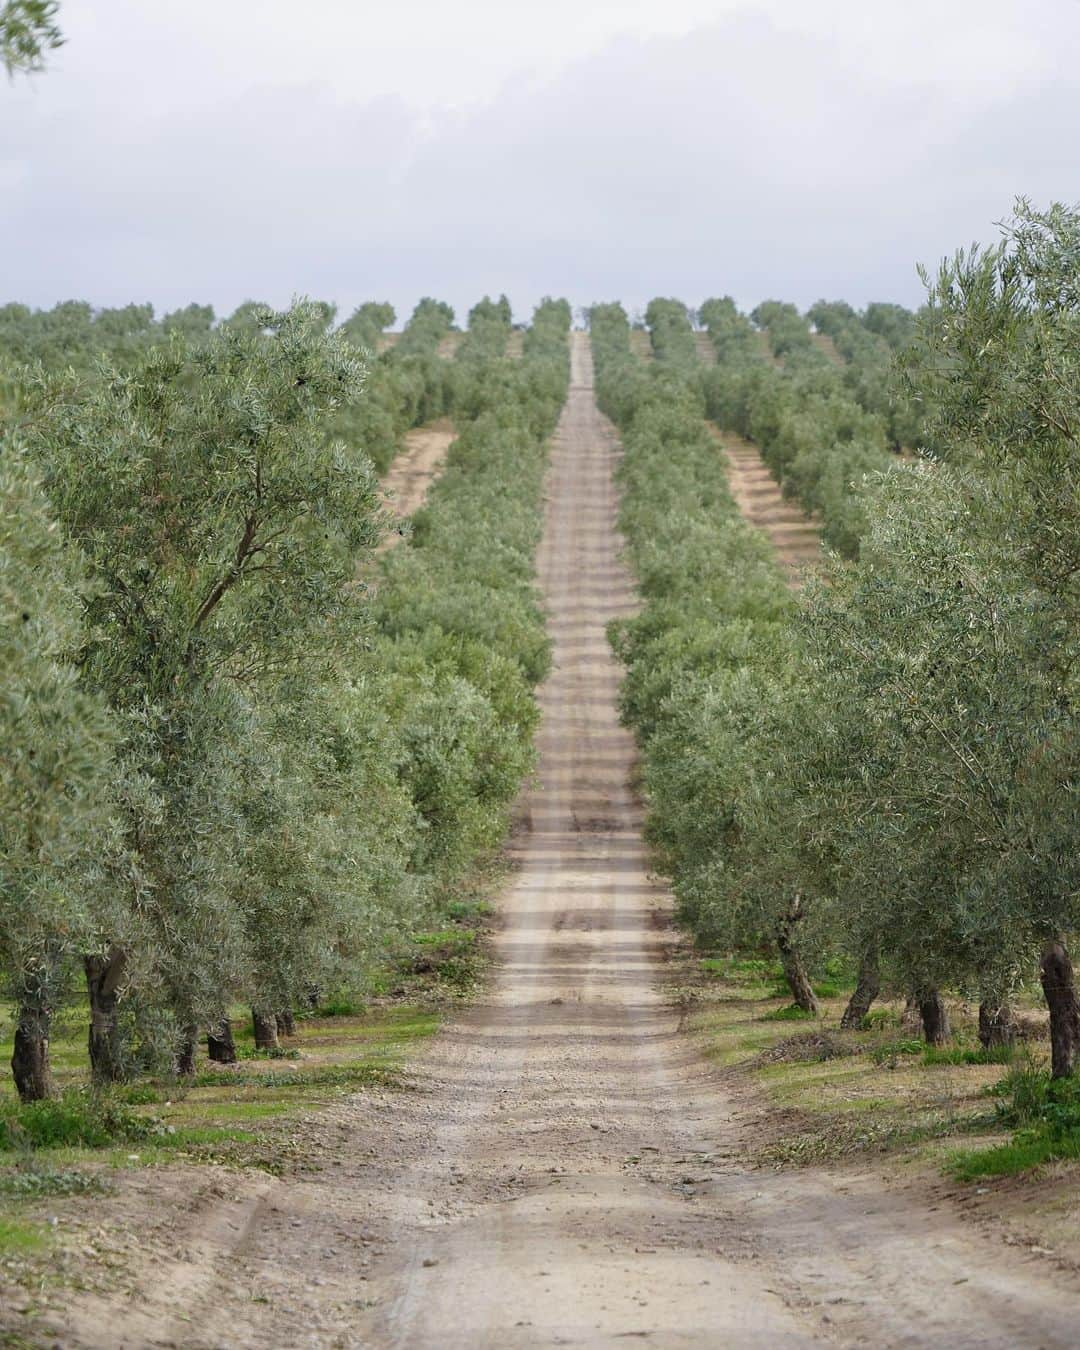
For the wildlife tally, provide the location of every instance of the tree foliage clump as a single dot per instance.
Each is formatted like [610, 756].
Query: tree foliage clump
[28, 32]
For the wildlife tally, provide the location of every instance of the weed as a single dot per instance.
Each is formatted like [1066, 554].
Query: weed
[740, 970]
[845, 1136]
[468, 911]
[1047, 1112]
[81, 1118]
[891, 1052]
[1027, 1150]
[33, 1182]
[341, 1005]
[822, 988]
[792, 1013]
[959, 1054]
[18, 1237]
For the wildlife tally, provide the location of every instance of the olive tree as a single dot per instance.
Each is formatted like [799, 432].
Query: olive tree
[998, 356]
[223, 531]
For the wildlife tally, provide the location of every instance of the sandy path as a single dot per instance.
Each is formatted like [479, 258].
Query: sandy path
[407, 480]
[641, 344]
[568, 1169]
[705, 349]
[795, 535]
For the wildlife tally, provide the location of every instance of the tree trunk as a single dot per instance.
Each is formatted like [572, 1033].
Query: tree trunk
[220, 1045]
[265, 1025]
[867, 988]
[185, 1059]
[104, 976]
[30, 1060]
[286, 1023]
[935, 1017]
[794, 971]
[1059, 987]
[996, 1023]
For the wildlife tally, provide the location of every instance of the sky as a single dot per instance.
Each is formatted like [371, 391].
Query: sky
[220, 150]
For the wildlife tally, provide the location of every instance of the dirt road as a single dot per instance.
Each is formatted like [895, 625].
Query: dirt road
[569, 1171]
[406, 482]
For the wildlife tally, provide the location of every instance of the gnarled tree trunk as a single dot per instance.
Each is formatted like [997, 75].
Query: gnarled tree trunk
[935, 1017]
[185, 1058]
[1059, 987]
[104, 976]
[30, 1059]
[996, 1023]
[794, 971]
[286, 1023]
[867, 988]
[220, 1045]
[265, 1024]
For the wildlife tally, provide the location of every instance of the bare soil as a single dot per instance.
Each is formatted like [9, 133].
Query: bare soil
[795, 535]
[410, 475]
[824, 343]
[641, 344]
[568, 1169]
[447, 345]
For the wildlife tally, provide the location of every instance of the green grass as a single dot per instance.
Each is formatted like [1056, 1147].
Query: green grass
[1027, 1150]
[960, 1054]
[79, 1117]
[1045, 1113]
[791, 1013]
[18, 1238]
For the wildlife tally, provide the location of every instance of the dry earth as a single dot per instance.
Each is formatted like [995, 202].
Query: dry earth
[447, 345]
[567, 1170]
[793, 533]
[410, 475]
[641, 344]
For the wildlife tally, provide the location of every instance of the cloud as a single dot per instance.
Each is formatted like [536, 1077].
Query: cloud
[744, 156]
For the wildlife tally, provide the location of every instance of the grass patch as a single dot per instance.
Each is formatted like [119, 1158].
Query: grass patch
[19, 1239]
[841, 1137]
[79, 1117]
[829, 1093]
[889, 1053]
[341, 1004]
[791, 1013]
[1029, 1149]
[1044, 1111]
[959, 1054]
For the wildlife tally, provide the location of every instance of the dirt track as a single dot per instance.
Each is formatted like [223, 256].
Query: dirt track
[569, 1170]
[410, 475]
[795, 535]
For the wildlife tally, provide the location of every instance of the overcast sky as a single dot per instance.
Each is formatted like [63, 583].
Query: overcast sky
[216, 150]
